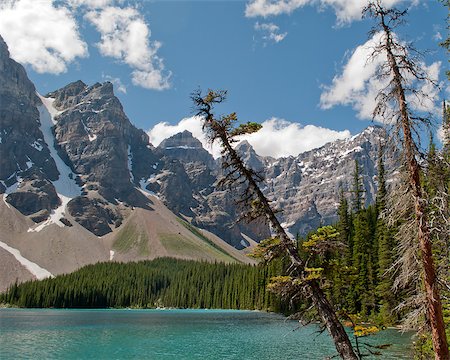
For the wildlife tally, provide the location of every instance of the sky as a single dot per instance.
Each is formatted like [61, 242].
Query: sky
[296, 66]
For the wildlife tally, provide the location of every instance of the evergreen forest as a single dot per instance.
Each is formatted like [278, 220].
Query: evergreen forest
[163, 282]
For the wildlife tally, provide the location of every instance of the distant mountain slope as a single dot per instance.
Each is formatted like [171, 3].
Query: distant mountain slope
[145, 234]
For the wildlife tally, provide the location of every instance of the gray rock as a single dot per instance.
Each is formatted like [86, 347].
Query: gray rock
[23, 152]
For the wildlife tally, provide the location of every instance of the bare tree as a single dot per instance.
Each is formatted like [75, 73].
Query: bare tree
[239, 176]
[400, 67]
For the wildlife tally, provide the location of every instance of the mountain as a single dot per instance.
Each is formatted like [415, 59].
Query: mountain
[304, 188]
[74, 173]
[80, 184]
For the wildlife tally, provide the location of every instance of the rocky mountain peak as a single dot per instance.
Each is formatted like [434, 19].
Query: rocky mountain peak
[25, 161]
[187, 149]
[250, 157]
[183, 140]
[4, 52]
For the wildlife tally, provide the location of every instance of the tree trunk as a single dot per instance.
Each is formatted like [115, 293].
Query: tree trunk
[319, 299]
[334, 326]
[434, 307]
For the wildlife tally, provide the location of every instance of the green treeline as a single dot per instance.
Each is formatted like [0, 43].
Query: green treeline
[163, 282]
[356, 268]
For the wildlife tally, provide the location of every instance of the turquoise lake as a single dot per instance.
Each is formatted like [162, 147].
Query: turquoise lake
[169, 334]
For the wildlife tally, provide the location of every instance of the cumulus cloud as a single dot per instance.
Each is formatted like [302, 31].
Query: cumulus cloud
[358, 84]
[277, 138]
[270, 31]
[125, 36]
[346, 10]
[280, 138]
[45, 36]
[41, 34]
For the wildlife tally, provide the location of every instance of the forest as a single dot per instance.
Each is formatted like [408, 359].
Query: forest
[163, 282]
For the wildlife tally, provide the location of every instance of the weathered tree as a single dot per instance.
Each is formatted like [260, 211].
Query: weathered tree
[239, 176]
[398, 70]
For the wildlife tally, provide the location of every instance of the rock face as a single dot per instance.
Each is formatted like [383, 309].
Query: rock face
[26, 167]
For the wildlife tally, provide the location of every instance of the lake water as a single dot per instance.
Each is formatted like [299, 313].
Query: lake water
[169, 334]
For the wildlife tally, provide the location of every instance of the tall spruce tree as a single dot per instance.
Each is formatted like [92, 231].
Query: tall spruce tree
[344, 226]
[386, 247]
[357, 189]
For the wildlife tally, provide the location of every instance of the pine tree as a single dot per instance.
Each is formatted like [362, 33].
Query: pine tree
[385, 243]
[344, 226]
[357, 189]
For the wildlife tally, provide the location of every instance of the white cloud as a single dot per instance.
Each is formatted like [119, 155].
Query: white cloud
[267, 8]
[437, 36]
[277, 138]
[346, 10]
[41, 34]
[280, 138]
[46, 36]
[271, 32]
[358, 84]
[125, 36]
[93, 4]
[426, 101]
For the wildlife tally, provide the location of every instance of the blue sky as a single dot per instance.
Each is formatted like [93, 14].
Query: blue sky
[276, 62]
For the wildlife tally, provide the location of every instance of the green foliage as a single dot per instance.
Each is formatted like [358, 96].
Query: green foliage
[358, 189]
[322, 241]
[267, 249]
[248, 128]
[162, 282]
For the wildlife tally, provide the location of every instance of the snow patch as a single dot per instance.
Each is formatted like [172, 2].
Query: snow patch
[55, 215]
[65, 186]
[88, 132]
[32, 267]
[184, 147]
[37, 145]
[143, 186]
[29, 163]
[355, 149]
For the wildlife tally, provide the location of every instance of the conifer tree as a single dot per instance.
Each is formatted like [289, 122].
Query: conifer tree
[385, 243]
[358, 189]
[344, 226]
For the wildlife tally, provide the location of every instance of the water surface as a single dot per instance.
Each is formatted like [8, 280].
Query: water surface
[169, 334]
